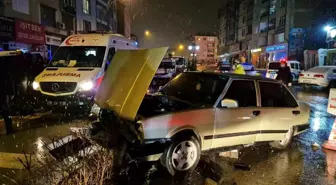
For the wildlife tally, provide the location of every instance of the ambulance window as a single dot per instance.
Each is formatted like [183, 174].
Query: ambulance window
[110, 54]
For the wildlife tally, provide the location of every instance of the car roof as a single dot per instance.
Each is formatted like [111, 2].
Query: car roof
[235, 76]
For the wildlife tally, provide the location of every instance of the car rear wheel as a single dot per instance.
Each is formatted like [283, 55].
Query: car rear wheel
[285, 142]
[182, 156]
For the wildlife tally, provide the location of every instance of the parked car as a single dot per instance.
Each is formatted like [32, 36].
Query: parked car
[273, 67]
[223, 66]
[248, 66]
[318, 76]
[204, 111]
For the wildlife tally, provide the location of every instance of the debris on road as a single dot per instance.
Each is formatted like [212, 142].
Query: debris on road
[230, 154]
[315, 146]
[209, 181]
[242, 166]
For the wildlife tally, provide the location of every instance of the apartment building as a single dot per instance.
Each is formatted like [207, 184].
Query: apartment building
[124, 18]
[264, 28]
[207, 51]
[41, 25]
[106, 15]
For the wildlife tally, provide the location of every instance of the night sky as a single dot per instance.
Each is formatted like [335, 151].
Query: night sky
[171, 21]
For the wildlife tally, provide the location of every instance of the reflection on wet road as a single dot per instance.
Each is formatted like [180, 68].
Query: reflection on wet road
[298, 164]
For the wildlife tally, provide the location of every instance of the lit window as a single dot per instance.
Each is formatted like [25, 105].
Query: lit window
[86, 6]
[90, 52]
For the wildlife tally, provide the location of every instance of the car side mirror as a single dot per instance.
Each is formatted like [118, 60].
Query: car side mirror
[229, 103]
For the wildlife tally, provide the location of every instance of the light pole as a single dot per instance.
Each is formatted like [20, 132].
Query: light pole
[331, 35]
[193, 48]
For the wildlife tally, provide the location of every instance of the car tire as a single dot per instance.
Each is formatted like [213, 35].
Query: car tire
[182, 156]
[283, 144]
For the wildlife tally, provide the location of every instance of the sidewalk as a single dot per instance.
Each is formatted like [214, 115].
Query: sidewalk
[22, 122]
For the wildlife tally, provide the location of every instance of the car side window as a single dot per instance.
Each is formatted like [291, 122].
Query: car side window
[292, 65]
[242, 91]
[334, 70]
[276, 95]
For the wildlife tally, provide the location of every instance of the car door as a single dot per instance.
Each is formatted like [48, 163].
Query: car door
[280, 109]
[240, 125]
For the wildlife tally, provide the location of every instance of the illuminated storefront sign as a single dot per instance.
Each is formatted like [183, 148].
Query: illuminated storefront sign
[276, 47]
[256, 50]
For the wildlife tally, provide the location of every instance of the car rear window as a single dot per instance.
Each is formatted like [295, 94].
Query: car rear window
[274, 65]
[167, 65]
[319, 69]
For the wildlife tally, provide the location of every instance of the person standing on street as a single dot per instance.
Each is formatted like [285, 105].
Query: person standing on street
[237, 67]
[284, 74]
[7, 93]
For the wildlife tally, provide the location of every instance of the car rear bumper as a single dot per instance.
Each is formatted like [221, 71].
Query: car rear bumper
[314, 83]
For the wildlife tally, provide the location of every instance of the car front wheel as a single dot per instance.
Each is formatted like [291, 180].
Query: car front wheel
[285, 142]
[182, 156]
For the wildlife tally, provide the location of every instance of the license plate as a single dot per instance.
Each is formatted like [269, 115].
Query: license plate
[306, 81]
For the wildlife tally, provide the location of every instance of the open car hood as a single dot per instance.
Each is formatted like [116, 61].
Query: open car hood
[127, 80]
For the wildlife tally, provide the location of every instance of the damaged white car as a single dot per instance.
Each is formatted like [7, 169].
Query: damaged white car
[199, 111]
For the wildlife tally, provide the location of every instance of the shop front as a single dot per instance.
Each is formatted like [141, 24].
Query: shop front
[258, 57]
[28, 35]
[277, 52]
[54, 38]
[6, 32]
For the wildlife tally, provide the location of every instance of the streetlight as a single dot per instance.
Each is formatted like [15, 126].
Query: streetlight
[147, 33]
[181, 47]
[331, 34]
[193, 48]
[327, 28]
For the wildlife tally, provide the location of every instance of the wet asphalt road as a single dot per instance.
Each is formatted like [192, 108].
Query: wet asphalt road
[298, 164]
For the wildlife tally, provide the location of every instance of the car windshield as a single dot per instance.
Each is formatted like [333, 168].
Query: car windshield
[167, 65]
[78, 56]
[180, 61]
[319, 69]
[274, 65]
[196, 88]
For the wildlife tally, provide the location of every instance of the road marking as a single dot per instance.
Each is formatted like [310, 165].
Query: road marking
[11, 160]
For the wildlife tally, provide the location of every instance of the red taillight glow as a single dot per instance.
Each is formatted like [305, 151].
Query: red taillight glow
[301, 75]
[318, 76]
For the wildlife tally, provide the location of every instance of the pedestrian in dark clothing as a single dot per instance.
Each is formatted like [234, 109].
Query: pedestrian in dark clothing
[7, 92]
[284, 74]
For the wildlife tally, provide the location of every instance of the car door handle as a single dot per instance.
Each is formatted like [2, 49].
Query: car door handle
[296, 112]
[256, 112]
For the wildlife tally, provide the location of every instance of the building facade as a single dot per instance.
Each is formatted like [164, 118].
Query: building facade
[41, 25]
[267, 30]
[124, 18]
[207, 51]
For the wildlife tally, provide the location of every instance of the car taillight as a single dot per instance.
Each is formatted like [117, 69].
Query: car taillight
[301, 75]
[318, 76]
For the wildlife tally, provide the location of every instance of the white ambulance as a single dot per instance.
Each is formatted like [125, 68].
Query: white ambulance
[76, 70]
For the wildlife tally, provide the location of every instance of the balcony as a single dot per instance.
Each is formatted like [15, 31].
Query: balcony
[264, 1]
[263, 30]
[280, 29]
[265, 14]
